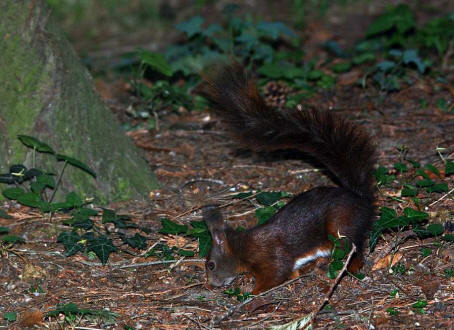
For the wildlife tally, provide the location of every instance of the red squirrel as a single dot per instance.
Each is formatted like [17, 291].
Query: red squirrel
[298, 233]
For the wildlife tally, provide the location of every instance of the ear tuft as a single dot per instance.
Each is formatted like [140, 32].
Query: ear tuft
[213, 218]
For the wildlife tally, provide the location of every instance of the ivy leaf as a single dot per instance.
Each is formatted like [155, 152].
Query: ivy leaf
[425, 183]
[185, 253]
[157, 62]
[409, 191]
[7, 178]
[76, 163]
[449, 169]
[46, 180]
[136, 242]
[74, 200]
[415, 215]
[13, 193]
[71, 242]
[401, 167]
[204, 244]
[264, 214]
[274, 29]
[411, 56]
[435, 229]
[270, 197]
[102, 247]
[439, 188]
[400, 17]
[10, 316]
[433, 169]
[191, 27]
[4, 215]
[38, 145]
[334, 267]
[170, 227]
[30, 199]
[12, 239]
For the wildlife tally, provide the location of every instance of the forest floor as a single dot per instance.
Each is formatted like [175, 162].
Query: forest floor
[408, 281]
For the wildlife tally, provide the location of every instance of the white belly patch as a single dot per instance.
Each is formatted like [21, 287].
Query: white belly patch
[317, 254]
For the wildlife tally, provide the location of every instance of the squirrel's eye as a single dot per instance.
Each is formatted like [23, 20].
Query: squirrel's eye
[211, 265]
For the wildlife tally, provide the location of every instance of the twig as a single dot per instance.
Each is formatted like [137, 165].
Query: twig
[233, 309]
[122, 265]
[333, 286]
[266, 318]
[442, 197]
[197, 322]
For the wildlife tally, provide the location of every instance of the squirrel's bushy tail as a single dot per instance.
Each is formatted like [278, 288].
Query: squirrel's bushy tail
[344, 148]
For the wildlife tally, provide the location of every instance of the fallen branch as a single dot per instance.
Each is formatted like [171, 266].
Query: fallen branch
[336, 282]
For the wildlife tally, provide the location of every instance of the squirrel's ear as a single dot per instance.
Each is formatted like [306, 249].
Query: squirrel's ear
[216, 225]
[213, 218]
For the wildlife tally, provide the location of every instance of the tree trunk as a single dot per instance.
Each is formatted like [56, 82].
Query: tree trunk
[45, 92]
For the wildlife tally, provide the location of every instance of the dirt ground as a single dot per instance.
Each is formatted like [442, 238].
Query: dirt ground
[198, 164]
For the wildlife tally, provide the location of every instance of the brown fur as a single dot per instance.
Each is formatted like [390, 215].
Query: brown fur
[301, 227]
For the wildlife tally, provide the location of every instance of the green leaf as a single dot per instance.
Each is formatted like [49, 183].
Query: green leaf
[420, 304]
[46, 180]
[435, 229]
[264, 214]
[85, 212]
[409, 191]
[341, 67]
[401, 167]
[425, 183]
[74, 199]
[400, 17]
[30, 199]
[281, 71]
[191, 27]
[185, 253]
[4, 230]
[32, 142]
[4, 215]
[362, 58]
[102, 247]
[204, 244]
[421, 172]
[12, 239]
[136, 242]
[71, 242]
[7, 178]
[170, 227]
[315, 75]
[274, 29]
[334, 267]
[448, 238]
[157, 62]
[414, 215]
[439, 188]
[76, 163]
[270, 197]
[338, 254]
[83, 223]
[449, 169]
[385, 66]
[10, 316]
[411, 57]
[243, 195]
[382, 177]
[13, 193]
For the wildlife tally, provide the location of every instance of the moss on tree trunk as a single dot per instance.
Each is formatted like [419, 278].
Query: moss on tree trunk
[46, 92]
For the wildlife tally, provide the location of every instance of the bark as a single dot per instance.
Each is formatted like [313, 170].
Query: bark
[45, 92]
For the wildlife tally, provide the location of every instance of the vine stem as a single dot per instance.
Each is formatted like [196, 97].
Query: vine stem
[58, 182]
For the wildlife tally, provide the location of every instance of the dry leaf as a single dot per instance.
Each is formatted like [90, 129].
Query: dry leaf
[31, 318]
[388, 261]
